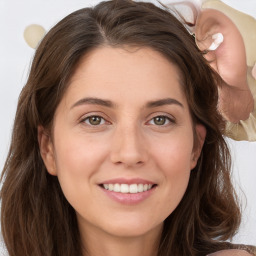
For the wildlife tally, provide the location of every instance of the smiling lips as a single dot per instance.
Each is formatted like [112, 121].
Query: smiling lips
[126, 188]
[128, 191]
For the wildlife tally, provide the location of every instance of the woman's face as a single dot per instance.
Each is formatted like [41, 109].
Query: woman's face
[123, 124]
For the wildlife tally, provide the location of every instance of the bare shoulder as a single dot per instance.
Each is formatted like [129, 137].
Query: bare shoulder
[232, 252]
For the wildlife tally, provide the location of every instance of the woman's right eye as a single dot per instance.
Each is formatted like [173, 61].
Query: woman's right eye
[94, 120]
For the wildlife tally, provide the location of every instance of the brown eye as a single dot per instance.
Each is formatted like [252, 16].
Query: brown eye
[160, 120]
[94, 120]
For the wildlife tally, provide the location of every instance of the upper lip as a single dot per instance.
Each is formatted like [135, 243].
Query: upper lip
[127, 181]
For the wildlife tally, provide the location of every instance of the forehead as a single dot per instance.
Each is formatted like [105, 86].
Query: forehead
[126, 73]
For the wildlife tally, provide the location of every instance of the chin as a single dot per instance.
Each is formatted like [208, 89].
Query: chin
[133, 228]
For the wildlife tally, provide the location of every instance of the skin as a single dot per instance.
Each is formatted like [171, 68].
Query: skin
[127, 143]
[230, 253]
[229, 60]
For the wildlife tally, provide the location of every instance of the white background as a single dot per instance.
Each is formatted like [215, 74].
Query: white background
[15, 59]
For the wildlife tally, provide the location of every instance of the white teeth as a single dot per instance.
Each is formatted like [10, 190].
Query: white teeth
[218, 38]
[133, 188]
[117, 188]
[105, 186]
[140, 188]
[125, 188]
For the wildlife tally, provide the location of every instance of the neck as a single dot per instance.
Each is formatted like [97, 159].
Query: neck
[99, 243]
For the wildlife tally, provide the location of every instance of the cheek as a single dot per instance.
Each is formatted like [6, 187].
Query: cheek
[177, 173]
[174, 160]
[174, 154]
[79, 153]
[77, 160]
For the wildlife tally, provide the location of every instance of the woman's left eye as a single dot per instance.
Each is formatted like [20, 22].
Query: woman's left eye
[161, 120]
[94, 120]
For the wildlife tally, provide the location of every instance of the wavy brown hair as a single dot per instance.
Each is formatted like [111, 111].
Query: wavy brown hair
[36, 218]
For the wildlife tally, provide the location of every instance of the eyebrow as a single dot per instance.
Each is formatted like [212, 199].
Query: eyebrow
[93, 101]
[162, 102]
[108, 103]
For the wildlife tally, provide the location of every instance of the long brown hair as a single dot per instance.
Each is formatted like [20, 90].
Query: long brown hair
[36, 218]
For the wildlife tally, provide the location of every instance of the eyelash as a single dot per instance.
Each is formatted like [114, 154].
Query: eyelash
[167, 120]
[93, 116]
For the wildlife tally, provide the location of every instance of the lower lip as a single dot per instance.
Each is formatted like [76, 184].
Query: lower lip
[129, 198]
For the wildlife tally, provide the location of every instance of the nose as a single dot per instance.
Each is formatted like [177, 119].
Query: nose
[128, 147]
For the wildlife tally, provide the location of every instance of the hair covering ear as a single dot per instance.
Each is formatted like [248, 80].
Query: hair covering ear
[46, 150]
[33, 34]
[200, 139]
